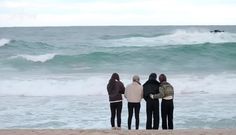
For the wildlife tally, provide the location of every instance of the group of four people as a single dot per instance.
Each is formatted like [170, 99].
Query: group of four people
[151, 91]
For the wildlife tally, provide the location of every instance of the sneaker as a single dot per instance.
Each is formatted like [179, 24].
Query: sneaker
[113, 128]
[118, 128]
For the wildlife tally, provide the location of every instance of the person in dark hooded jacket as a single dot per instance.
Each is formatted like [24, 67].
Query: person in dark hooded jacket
[115, 89]
[152, 105]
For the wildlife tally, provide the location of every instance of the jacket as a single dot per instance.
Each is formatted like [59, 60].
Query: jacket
[115, 94]
[166, 90]
[134, 92]
[150, 87]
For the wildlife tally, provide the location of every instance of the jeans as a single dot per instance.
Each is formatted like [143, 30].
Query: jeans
[136, 108]
[152, 111]
[167, 108]
[116, 109]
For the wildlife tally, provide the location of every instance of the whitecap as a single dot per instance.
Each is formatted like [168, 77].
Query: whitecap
[177, 37]
[4, 41]
[36, 58]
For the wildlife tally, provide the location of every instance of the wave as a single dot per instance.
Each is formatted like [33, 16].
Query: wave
[198, 58]
[87, 84]
[21, 46]
[4, 42]
[90, 57]
[126, 36]
[178, 37]
[36, 58]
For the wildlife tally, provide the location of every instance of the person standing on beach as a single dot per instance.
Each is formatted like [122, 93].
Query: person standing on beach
[167, 105]
[152, 105]
[115, 89]
[134, 95]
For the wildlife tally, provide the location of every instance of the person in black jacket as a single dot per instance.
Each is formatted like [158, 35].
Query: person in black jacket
[115, 89]
[152, 105]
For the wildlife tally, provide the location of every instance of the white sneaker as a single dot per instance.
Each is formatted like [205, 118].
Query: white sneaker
[118, 128]
[113, 128]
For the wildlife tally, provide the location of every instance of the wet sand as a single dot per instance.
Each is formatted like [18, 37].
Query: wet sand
[117, 132]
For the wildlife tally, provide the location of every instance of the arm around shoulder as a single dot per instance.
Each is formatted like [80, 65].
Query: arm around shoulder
[159, 95]
[141, 91]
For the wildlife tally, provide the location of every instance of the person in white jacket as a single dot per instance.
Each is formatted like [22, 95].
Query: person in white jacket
[134, 95]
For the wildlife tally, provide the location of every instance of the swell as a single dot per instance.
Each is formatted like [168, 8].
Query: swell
[201, 57]
[21, 45]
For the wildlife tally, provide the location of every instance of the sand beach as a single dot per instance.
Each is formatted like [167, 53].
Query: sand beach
[117, 132]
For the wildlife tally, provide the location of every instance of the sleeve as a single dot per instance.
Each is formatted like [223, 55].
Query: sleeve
[145, 93]
[173, 91]
[122, 88]
[160, 94]
[126, 92]
[108, 89]
[141, 91]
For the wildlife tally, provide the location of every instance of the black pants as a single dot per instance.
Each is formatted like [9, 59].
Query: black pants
[167, 108]
[136, 108]
[116, 109]
[152, 110]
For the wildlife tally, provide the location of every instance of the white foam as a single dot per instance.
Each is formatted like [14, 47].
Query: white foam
[52, 87]
[96, 85]
[179, 37]
[196, 37]
[36, 58]
[4, 41]
[210, 84]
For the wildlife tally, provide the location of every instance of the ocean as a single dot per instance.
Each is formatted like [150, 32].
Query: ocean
[56, 77]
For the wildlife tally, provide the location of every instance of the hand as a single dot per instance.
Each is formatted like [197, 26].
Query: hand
[151, 96]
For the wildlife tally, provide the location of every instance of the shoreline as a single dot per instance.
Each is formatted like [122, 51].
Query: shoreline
[116, 132]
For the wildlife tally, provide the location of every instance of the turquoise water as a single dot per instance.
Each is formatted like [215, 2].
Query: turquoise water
[107, 49]
[44, 64]
[92, 112]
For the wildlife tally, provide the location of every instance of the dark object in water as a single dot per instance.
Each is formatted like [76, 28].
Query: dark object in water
[216, 31]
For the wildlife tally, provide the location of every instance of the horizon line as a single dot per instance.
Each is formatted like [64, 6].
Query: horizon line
[170, 25]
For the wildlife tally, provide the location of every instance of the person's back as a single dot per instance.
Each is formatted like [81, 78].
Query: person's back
[115, 92]
[150, 87]
[134, 92]
[152, 105]
[167, 90]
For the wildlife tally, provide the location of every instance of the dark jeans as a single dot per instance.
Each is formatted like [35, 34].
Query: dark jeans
[152, 110]
[167, 108]
[116, 109]
[136, 108]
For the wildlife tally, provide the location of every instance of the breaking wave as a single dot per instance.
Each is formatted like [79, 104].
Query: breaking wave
[4, 42]
[178, 37]
[36, 58]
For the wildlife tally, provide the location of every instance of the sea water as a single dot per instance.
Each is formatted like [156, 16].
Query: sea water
[56, 77]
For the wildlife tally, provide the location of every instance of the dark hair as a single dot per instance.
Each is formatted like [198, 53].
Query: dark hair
[113, 79]
[115, 76]
[153, 76]
[162, 77]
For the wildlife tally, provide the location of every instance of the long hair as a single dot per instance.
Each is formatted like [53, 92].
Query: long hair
[114, 77]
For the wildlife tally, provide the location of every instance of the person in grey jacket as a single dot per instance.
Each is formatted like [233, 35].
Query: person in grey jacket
[134, 95]
[167, 106]
[115, 89]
